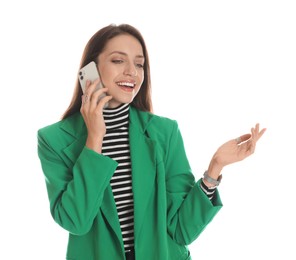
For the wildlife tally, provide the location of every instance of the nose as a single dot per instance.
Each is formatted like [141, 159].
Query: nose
[130, 70]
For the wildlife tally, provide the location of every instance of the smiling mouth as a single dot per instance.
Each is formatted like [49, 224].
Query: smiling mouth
[126, 84]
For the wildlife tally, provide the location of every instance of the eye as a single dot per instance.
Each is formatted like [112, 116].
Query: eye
[139, 65]
[117, 61]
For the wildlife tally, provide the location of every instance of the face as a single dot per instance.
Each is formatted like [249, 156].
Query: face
[121, 67]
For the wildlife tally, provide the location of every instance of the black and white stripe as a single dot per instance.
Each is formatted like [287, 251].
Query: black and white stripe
[209, 191]
[116, 146]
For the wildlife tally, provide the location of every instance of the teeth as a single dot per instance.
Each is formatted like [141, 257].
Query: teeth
[127, 84]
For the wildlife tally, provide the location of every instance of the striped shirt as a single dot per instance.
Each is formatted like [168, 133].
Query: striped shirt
[116, 146]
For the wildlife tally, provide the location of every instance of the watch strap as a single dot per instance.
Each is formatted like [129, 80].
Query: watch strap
[211, 180]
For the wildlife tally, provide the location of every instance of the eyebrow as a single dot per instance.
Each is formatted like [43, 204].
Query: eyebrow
[123, 53]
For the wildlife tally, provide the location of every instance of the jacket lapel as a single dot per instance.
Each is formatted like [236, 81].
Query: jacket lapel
[76, 128]
[109, 210]
[143, 156]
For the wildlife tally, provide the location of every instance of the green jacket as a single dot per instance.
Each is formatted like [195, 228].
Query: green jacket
[170, 209]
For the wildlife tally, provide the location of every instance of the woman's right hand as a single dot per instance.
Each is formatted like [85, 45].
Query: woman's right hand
[92, 113]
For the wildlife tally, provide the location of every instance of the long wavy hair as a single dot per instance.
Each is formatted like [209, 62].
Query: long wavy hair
[94, 48]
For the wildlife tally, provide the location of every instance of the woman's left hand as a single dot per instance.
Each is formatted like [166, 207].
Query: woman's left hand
[238, 149]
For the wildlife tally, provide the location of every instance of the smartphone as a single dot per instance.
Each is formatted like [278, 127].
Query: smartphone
[90, 72]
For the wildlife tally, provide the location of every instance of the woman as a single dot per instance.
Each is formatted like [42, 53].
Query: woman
[118, 179]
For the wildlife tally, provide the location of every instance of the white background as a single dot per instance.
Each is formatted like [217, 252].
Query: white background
[218, 67]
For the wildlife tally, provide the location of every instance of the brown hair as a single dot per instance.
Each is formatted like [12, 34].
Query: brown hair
[93, 49]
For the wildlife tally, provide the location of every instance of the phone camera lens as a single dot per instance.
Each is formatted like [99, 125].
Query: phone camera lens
[81, 77]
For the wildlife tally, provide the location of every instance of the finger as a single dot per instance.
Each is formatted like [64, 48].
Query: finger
[85, 99]
[242, 138]
[257, 127]
[86, 95]
[261, 133]
[84, 104]
[87, 84]
[95, 83]
[253, 132]
[90, 86]
[256, 130]
[103, 102]
[97, 96]
[256, 134]
[90, 95]
[99, 92]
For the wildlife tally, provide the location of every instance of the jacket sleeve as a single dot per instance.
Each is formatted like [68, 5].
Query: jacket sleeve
[189, 209]
[75, 193]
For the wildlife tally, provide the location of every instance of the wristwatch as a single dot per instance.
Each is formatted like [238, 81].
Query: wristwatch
[211, 180]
